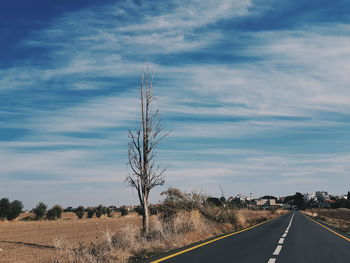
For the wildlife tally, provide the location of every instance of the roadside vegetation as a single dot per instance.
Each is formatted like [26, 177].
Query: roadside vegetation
[182, 219]
[337, 218]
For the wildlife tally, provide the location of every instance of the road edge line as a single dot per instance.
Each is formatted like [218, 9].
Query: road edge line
[211, 241]
[329, 229]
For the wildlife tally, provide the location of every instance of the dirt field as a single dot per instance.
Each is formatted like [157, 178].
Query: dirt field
[32, 241]
[337, 218]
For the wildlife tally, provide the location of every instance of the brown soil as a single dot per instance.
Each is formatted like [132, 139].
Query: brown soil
[32, 241]
[337, 218]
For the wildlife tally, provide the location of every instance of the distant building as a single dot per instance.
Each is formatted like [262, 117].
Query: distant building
[310, 197]
[243, 198]
[265, 202]
[240, 198]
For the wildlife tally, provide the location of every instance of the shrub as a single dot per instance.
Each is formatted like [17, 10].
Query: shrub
[214, 201]
[176, 200]
[153, 210]
[100, 210]
[90, 212]
[4, 208]
[139, 210]
[79, 212]
[342, 203]
[68, 209]
[123, 210]
[55, 212]
[109, 212]
[15, 209]
[50, 214]
[40, 210]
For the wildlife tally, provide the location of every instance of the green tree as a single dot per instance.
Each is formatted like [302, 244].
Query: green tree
[223, 199]
[123, 210]
[40, 210]
[100, 211]
[269, 197]
[4, 208]
[80, 212]
[109, 212]
[90, 212]
[15, 209]
[153, 210]
[55, 212]
[299, 201]
[214, 201]
[342, 203]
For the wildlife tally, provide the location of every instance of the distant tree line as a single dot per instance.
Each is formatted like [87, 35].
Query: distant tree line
[298, 201]
[10, 210]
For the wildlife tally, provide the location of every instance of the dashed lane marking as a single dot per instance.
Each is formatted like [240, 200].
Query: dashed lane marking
[281, 241]
[277, 250]
[210, 241]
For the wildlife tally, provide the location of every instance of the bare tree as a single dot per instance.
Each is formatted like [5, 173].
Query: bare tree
[145, 174]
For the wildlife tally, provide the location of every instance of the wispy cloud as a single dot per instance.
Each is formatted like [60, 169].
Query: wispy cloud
[251, 108]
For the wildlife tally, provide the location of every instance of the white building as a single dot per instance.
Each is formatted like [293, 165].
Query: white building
[265, 202]
[310, 197]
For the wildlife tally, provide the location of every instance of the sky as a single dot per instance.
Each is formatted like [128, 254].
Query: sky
[255, 94]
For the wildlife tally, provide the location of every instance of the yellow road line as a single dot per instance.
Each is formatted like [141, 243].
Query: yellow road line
[211, 241]
[334, 232]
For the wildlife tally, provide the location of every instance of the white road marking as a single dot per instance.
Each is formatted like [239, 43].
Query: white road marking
[281, 241]
[277, 250]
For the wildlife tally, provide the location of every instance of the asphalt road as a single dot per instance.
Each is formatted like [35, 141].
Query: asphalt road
[292, 238]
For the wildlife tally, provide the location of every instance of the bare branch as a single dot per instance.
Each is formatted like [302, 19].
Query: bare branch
[145, 175]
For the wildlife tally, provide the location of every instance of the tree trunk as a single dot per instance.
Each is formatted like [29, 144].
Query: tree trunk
[145, 218]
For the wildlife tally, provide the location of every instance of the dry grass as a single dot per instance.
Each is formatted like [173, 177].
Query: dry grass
[31, 241]
[27, 216]
[247, 217]
[337, 218]
[183, 228]
[115, 239]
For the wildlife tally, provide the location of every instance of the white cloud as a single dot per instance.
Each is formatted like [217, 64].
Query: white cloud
[298, 74]
[187, 15]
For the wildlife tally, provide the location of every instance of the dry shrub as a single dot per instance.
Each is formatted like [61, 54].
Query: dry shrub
[128, 243]
[242, 220]
[247, 217]
[111, 248]
[125, 238]
[185, 221]
[220, 214]
[338, 218]
[167, 233]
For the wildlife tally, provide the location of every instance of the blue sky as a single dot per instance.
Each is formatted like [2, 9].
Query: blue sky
[255, 93]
